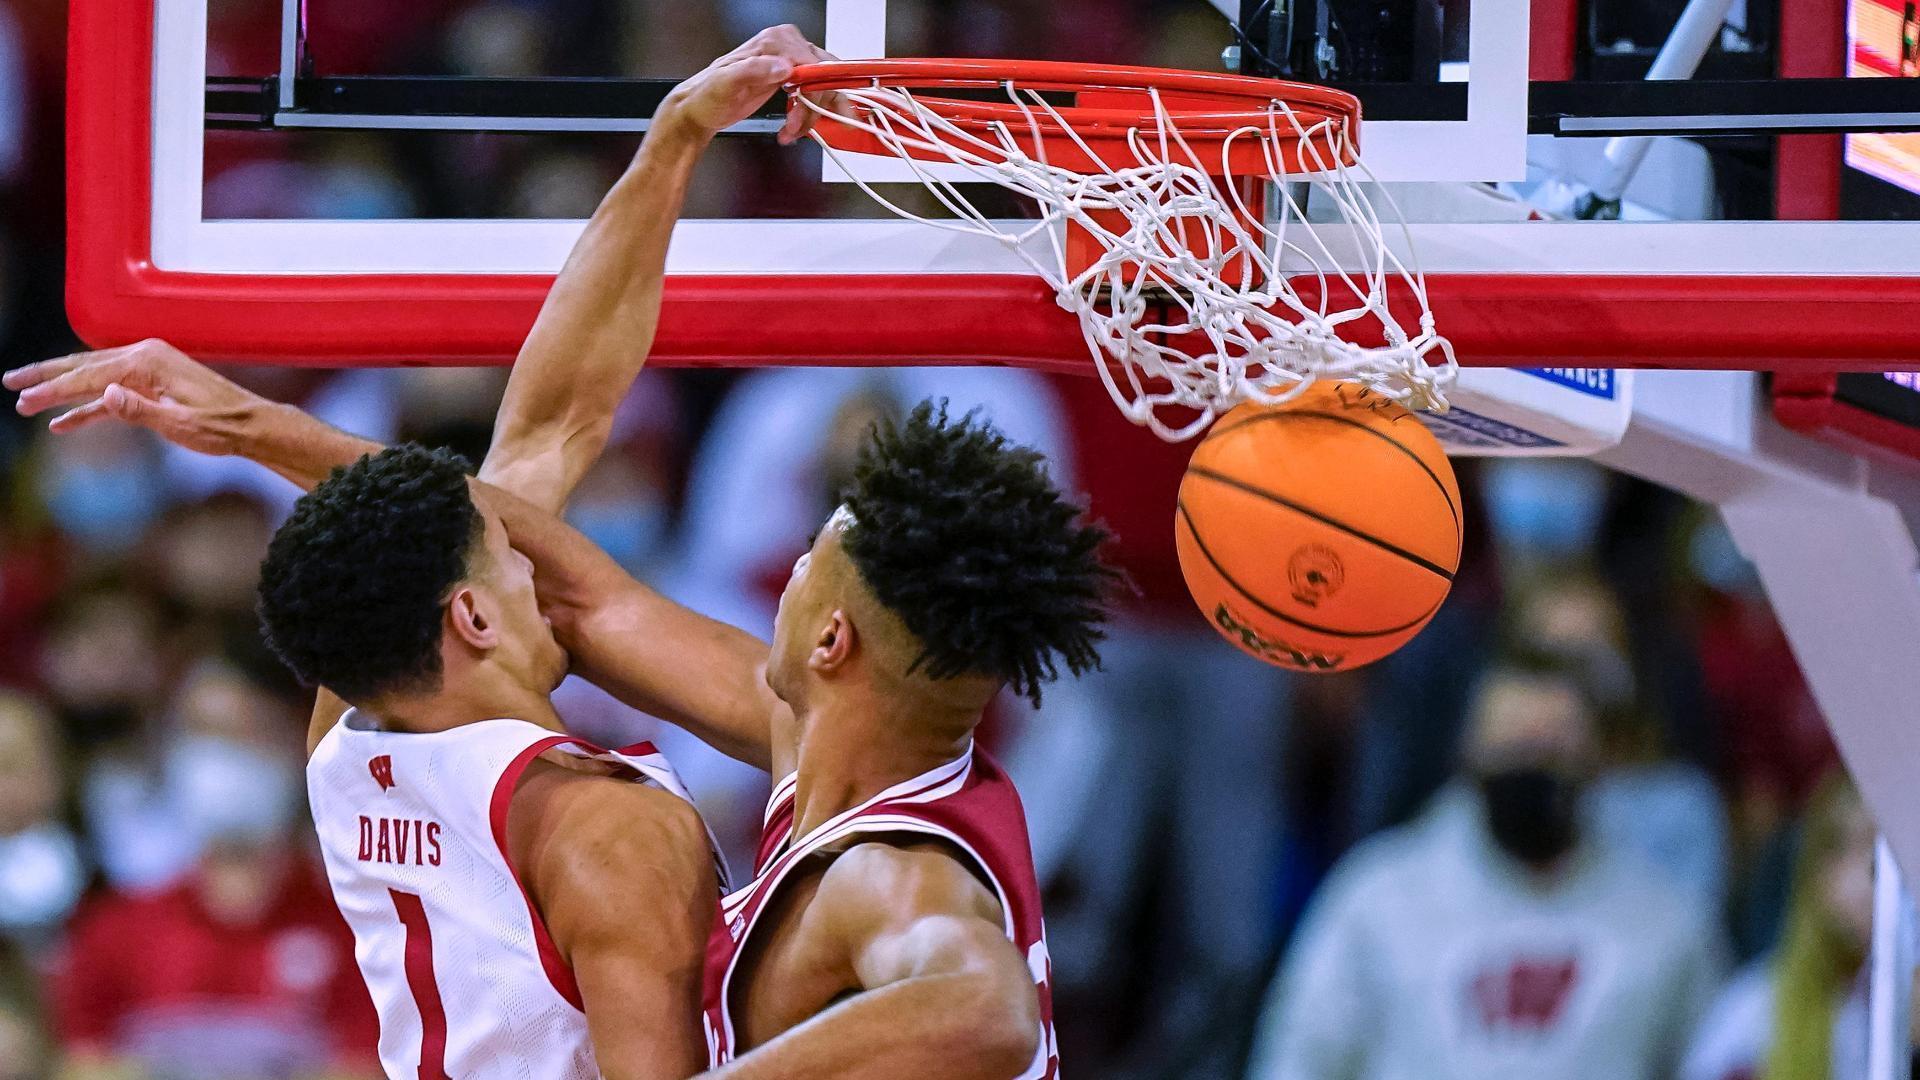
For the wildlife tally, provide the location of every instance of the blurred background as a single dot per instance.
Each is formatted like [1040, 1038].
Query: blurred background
[1589, 824]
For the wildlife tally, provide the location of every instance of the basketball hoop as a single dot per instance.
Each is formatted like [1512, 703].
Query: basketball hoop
[1188, 297]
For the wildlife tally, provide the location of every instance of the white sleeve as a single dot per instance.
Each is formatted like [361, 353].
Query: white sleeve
[1321, 1015]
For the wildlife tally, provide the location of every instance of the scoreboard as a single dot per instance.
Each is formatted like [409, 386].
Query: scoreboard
[1883, 41]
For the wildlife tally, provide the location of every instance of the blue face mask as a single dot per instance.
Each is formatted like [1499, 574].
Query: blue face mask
[1546, 508]
[41, 878]
[632, 533]
[103, 508]
[1715, 560]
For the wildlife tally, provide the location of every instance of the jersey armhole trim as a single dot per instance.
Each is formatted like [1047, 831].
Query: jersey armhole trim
[559, 972]
[900, 823]
[764, 887]
[782, 791]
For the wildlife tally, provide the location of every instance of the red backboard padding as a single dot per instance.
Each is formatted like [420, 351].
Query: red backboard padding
[115, 294]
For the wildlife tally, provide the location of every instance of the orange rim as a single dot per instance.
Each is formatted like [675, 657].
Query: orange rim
[1110, 104]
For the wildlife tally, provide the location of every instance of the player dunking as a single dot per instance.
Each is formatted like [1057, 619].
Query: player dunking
[894, 926]
[524, 904]
[894, 911]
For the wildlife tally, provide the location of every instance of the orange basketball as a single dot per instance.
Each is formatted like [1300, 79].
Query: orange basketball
[1322, 534]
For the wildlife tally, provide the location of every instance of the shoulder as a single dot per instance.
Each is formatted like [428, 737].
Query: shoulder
[1660, 800]
[605, 809]
[1641, 891]
[565, 825]
[906, 909]
[1370, 889]
[1389, 861]
[112, 925]
[886, 881]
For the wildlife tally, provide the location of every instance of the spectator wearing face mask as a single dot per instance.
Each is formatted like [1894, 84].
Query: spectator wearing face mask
[103, 488]
[41, 873]
[226, 763]
[1646, 798]
[1801, 1013]
[241, 969]
[1492, 939]
[624, 503]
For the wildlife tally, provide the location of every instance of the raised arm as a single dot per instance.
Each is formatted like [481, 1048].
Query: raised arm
[942, 994]
[158, 387]
[646, 650]
[591, 338]
[598, 323]
[589, 342]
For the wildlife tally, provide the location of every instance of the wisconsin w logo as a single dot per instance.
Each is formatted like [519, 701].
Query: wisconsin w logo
[382, 770]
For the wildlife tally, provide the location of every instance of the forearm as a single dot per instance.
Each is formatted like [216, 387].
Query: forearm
[930, 1028]
[596, 327]
[297, 446]
[649, 652]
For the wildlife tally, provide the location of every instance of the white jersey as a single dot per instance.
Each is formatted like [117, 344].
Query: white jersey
[461, 968]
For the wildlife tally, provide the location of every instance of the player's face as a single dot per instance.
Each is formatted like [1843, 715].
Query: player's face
[803, 604]
[528, 646]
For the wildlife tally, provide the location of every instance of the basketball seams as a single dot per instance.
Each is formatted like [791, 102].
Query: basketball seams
[1233, 583]
[1304, 414]
[1333, 523]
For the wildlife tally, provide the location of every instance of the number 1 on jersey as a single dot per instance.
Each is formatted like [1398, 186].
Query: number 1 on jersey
[425, 988]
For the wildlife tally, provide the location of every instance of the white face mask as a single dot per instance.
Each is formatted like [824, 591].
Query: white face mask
[223, 789]
[41, 877]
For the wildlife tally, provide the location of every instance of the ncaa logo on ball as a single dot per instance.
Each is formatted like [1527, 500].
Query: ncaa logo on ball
[1272, 650]
[1315, 573]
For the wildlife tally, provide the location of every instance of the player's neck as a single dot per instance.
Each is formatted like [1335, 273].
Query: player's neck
[851, 752]
[468, 698]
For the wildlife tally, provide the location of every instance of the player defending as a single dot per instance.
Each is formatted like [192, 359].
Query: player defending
[524, 904]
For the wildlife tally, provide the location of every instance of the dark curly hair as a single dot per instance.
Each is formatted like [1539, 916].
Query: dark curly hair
[962, 535]
[353, 583]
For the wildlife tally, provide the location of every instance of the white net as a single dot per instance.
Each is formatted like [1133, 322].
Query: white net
[1198, 301]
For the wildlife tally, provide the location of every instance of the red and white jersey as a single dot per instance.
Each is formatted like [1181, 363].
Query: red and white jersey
[413, 828]
[968, 802]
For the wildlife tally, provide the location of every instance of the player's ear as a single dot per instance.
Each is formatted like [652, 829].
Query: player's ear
[834, 646]
[469, 620]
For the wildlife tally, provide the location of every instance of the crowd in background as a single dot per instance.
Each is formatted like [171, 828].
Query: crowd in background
[1588, 824]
